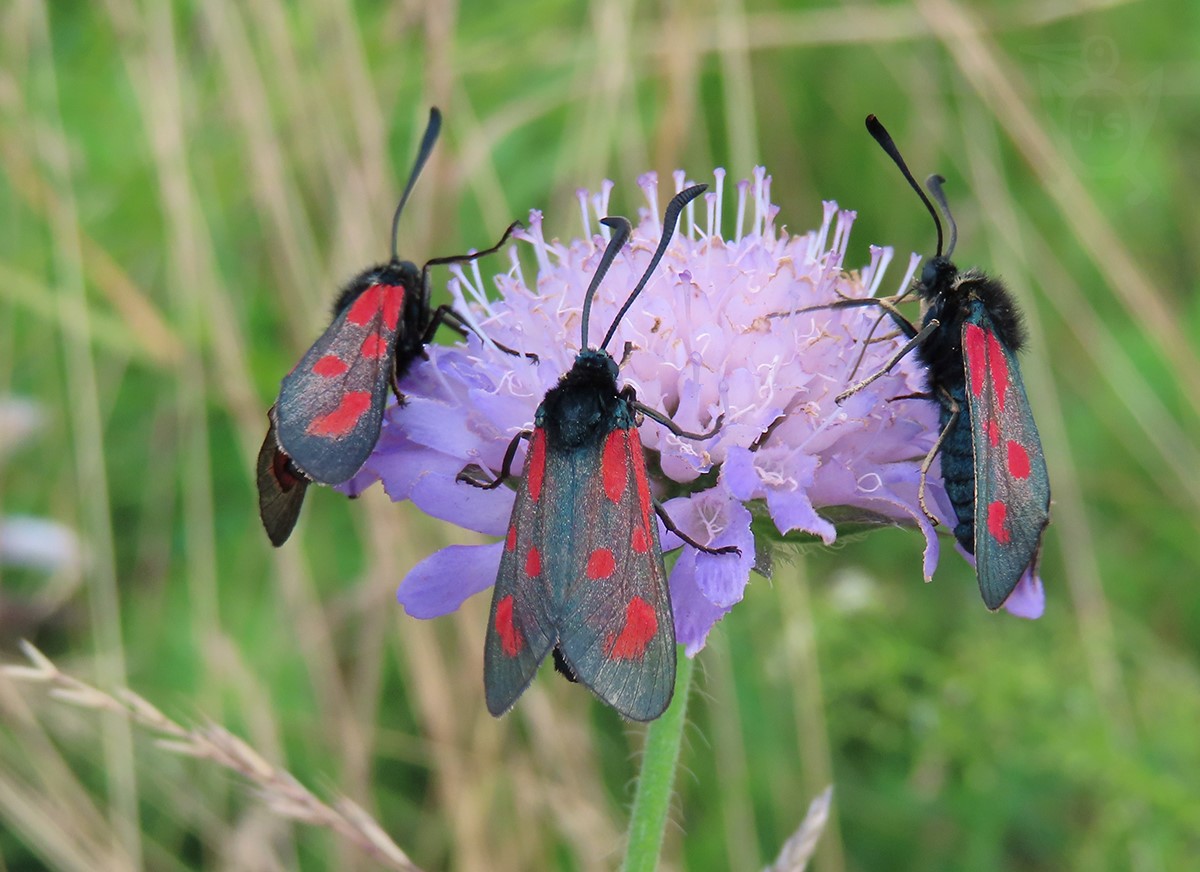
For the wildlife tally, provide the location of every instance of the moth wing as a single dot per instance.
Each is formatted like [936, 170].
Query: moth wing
[280, 488]
[330, 406]
[520, 628]
[616, 630]
[1012, 488]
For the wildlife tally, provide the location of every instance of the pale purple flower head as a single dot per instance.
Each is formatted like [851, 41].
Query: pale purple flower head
[710, 335]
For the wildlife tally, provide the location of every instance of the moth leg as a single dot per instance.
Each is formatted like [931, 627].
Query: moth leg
[440, 316]
[928, 461]
[505, 468]
[675, 428]
[908, 346]
[443, 315]
[670, 525]
[466, 258]
[446, 311]
[906, 327]
[888, 304]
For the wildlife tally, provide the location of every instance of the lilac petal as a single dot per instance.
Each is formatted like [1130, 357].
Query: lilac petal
[933, 545]
[739, 475]
[887, 489]
[792, 510]
[438, 425]
[400, 471]
[362, 480]
[1028, 599]
[684, 459]
[443, 496]
[723, 577]
[786, 478]
[440, 583]
[715, 519]
[694, 614]
[465, 368]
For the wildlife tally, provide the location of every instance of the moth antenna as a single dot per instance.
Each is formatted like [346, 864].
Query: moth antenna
[431, 134]
[934, 184]
[876, 129]
[670, 219]
[621, 233]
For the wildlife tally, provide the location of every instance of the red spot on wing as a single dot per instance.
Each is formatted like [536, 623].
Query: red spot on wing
[329, 366]
[613, 468]
[641, 623]
[383, 300]
[536, 474]
[641, 540]
[642, 487]
[374, 345]
[533, 563]
[1018, 460]
[511, 640]
[393, 302]
[998, 367]
[601, 564]
[344, 418]
[510, 541]
[997, 516]
[975, 346]
[993, 431]
[365, 306]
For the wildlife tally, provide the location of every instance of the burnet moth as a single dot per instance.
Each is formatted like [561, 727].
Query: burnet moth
[992, 463]
[582, 571]
[327, 417]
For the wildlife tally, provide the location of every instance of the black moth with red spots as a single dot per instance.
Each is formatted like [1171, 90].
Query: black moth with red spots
[329, 412]
[992, 462]
[582, 571]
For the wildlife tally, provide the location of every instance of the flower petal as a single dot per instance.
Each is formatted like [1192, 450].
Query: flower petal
[484, 511]
[705, 586]
[1028, 599]
[440, 583]
[695, 615]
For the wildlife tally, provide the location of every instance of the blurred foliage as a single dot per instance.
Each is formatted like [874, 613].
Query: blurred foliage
[184, 185]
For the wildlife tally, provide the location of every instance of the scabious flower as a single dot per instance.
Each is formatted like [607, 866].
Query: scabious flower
[715, 332]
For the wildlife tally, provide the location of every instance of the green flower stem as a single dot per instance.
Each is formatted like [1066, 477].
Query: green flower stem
[660, 758]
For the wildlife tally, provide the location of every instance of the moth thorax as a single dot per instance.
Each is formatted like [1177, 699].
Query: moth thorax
[584, 406]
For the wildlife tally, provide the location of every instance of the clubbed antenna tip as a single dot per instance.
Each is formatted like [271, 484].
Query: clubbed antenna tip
[879, 132]
[670, 220]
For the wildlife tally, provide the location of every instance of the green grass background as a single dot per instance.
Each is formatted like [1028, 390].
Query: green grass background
[183, 186]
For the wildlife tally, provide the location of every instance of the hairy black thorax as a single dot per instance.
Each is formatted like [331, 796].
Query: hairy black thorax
[949, 296]
[586, 404]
